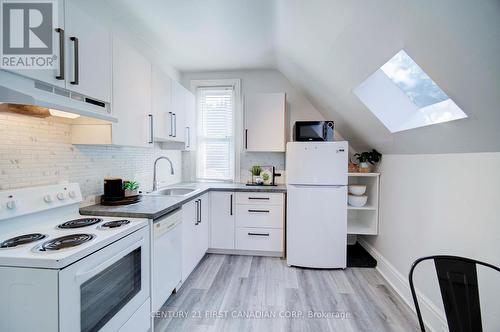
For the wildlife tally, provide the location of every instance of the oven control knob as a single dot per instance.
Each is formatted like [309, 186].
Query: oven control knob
[61, 196]
[47, 198]
[11, 204]
[72, 194]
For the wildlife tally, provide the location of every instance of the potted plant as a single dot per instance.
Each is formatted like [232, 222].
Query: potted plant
[367, 159]
[256, 170]
[131, 188]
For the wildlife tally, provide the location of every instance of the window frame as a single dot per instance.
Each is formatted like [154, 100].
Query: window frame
[237, 121]
[394, 108]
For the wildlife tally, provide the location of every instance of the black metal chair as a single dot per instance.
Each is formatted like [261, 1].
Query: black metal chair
[458, 283]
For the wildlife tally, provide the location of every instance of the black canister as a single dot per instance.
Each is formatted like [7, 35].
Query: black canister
[113, 188]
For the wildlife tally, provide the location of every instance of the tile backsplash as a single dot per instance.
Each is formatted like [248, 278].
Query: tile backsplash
[247, 160]
[36, 151]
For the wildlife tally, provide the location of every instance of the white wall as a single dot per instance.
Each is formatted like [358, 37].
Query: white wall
[440, 204]
[259, 81]
[36, 151]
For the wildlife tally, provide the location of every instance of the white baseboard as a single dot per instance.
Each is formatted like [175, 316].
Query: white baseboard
[433, 317]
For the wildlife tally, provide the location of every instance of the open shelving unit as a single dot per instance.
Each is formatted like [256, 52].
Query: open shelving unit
[364, 220]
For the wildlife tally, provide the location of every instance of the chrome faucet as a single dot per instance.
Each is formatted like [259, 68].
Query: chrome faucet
[154, 170]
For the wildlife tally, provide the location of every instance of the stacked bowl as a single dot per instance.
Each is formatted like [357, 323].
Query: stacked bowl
[357, 196]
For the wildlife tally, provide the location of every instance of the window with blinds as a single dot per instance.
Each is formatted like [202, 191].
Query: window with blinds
[215, 133]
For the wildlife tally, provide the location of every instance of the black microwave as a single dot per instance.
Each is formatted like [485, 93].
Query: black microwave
[319, 131]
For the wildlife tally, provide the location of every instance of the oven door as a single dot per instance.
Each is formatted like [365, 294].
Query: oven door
[103, 290]
[309, 131]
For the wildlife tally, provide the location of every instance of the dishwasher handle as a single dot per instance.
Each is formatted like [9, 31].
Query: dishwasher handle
[161, 228]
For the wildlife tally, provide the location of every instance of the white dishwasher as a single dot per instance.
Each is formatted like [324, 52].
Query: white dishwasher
[167, 257]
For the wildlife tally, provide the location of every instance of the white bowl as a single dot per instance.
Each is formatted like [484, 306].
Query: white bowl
[357, 189]
[357, 201]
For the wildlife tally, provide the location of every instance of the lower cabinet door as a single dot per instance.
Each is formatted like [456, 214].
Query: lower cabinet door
[259, 239]
[189, 245]
[222, 218]
[202, 229]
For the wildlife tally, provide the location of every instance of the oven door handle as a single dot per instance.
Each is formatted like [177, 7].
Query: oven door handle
[96, 269]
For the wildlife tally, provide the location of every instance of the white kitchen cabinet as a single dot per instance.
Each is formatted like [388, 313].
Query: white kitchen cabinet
[178, 112]
[247, 221]
[189, 246]
[260, 222]
[55, 76]
[131, 97]
[195, 226]
[161, 104]
[364, 220]
[202, 232]
[131, 104]
[222, 220]
[83, 64]
[265, 122]
[88, 54]
[190, 125]
[259, 239]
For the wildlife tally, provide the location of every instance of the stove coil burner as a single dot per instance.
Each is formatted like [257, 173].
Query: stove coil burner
[115, 223]
[22, 239]
[65, 242]
[77, 223]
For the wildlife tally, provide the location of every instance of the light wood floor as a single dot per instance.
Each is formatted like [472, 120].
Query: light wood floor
[223, 289]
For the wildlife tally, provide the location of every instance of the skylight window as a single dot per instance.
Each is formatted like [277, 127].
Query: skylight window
[404, 97]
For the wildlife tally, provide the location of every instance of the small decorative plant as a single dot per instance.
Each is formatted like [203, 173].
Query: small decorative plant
[363, 158]
[256, 170]
[130, 187]
[265, 177]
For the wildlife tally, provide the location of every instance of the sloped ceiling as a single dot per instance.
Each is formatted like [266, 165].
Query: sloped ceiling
[327, 47]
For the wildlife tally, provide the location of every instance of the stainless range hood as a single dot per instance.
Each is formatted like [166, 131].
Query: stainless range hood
[16, 89]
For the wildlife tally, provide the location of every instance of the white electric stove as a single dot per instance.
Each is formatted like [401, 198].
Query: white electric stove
[61, 271]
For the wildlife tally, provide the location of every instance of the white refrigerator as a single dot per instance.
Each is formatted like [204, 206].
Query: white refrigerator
[316, 232]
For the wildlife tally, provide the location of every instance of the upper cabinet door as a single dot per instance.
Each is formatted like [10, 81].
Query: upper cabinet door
[88, 54]
[265, 122]
[178, 110]
[162, 105]
[190, 126]
[54, 76]
[131, 96]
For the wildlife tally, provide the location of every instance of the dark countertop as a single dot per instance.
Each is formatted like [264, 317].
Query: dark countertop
[154, 207]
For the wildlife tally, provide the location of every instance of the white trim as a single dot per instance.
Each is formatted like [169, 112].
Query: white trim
[434, 318]
[238, 116]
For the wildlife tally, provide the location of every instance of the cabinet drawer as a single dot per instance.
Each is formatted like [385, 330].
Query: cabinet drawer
[259, 198]
[260, 239]
[268, 216]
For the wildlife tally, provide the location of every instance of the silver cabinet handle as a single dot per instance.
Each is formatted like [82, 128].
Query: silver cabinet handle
[171, 124]
[61, 54]
[174, 118]
[151, 126]
[231, 205]
[199, 215]
[258, 234]
[258, 211]
[197, 202]
[76, 51]
[188, 138]
[259, 198]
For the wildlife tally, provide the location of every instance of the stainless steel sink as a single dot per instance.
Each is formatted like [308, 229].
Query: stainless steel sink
[174, 191]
